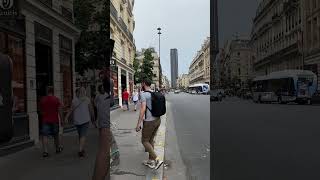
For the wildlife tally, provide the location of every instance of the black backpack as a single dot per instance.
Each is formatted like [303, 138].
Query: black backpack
[158, 103]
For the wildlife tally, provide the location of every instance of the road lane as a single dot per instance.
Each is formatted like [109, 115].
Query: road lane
[191, 118]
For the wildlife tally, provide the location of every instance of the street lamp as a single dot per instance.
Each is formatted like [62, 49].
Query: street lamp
[160, 73]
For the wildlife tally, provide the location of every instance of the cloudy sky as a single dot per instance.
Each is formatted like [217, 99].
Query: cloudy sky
[185, 25]
[235, 17]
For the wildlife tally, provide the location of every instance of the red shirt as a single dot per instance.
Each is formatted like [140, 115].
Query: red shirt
[125, 96]
[49, 106]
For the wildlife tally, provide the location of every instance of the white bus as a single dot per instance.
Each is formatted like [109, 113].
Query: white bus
[285, 86]
[199, 89]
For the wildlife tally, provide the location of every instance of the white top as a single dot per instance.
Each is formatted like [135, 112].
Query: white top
[81, 113]
[135, 96]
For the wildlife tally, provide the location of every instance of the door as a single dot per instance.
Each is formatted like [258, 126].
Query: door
[6, 126]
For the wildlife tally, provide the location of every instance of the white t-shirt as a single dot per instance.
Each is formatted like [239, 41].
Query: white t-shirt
[81, 113]
[146, 97]
[135, 96]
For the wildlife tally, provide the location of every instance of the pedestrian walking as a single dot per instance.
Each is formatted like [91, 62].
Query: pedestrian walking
[102, 164]
[81, 113]
[152, 107]
[135, 99]
[51, 113]
[125, 97]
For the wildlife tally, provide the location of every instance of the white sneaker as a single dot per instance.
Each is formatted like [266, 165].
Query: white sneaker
[158, 163]
[151, 164]
[146, 162]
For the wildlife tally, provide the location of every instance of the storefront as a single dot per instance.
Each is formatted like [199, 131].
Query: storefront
[40, 43]
[12, 43]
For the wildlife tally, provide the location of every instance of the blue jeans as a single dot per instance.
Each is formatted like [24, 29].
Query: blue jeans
[50, 129]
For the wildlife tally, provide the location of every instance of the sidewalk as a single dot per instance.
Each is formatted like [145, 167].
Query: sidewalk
[131, 150]
[29, 164]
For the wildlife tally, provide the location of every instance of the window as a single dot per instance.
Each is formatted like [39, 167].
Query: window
[123, 49]
[15, 48]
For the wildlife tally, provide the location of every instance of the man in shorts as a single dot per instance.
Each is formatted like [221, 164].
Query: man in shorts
[51, 113]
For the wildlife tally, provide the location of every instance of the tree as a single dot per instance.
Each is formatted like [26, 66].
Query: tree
[147, 65]
[136, 68]
[93, 46]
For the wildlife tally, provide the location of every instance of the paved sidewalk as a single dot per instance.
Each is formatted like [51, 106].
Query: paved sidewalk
[28, 164]
[131, 150]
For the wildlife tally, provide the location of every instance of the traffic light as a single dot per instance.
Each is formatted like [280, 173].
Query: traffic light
[6, 123]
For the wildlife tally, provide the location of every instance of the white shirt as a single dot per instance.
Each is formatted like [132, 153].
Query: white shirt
[135, 96]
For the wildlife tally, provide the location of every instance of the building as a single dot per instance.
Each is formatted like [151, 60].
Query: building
[276, 36]
[311, 36]
[199, 70]
[236, 59]
[41, 41]
[122, 25]
[165, 82]
[174, 67]
[183, 81]
[156, 66]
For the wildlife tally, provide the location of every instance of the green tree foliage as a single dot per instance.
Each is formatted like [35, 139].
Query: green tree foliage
[147, 65]
[93, 46]
[136, 68]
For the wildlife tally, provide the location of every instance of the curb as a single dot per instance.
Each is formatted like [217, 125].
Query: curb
[160, 150]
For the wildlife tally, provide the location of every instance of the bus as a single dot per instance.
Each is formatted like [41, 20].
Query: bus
[199, 89]
[285, 86]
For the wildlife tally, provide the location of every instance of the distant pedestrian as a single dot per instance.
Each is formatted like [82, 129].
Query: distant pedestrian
[51, 113]
[82, 113]
[135, 99]
[125, 97]
[151, 122]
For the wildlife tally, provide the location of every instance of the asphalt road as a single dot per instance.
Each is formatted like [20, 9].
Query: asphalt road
[265, 141]
[191, 118]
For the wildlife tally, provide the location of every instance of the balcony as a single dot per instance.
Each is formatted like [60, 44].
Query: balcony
[123, 25]
[67, 14]
[46, 2]
[130, 36]
[113, 11]
[123, 61]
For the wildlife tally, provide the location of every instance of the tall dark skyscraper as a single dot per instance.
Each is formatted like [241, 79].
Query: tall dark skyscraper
[174, 67]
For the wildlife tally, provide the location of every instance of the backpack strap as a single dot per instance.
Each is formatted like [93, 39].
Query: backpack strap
[147, 105]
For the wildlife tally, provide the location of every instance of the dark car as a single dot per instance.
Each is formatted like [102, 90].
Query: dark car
[215, 95]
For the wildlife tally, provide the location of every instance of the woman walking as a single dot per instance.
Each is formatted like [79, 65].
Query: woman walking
[81, 113]
[135, 99]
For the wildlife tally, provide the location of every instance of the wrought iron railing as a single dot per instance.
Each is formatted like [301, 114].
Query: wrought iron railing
[113, 11]
[67, 14]
[46, 2]
[123, 25]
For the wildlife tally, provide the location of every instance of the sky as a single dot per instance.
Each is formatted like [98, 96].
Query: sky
[235, 17]
[185, 25]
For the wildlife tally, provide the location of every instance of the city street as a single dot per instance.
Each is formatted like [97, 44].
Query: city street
[190, 137]
[265, 141]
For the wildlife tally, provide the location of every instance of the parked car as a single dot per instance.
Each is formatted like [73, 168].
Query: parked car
[177, 91]
[216, 95]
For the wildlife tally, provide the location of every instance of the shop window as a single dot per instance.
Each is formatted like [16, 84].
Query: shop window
[16, 52]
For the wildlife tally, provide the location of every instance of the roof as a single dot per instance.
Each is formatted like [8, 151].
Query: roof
[284, 74]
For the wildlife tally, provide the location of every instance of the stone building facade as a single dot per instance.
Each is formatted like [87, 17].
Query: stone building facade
[311, 36]
[276, 36]
[199, 70]
[183, 81]
[41, 42]
[122, 25]
[236, 60]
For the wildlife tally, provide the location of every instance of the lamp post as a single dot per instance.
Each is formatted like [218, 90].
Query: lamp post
[160, 68]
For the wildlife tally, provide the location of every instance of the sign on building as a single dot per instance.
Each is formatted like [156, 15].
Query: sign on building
[9, 8]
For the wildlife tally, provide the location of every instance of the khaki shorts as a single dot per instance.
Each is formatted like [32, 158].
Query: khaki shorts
[149, 130]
